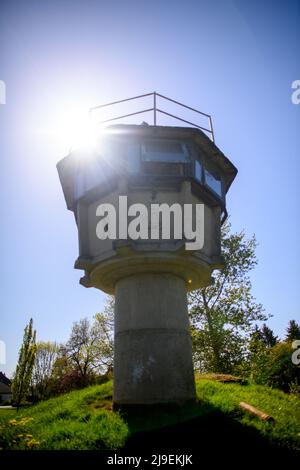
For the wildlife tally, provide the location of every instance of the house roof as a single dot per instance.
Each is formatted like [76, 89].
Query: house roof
[4, 379]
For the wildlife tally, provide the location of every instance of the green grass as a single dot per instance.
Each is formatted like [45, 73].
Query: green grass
[285, 409]
[77, 420]
[84, 419]
[7, 413]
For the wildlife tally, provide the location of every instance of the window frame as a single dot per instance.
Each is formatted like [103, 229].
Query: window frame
[210, 168]
[184, 152]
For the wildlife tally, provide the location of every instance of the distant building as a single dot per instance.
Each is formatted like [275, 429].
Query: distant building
[5, 388]
[4, 380]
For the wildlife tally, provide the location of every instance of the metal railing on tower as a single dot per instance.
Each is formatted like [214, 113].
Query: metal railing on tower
[157, 110]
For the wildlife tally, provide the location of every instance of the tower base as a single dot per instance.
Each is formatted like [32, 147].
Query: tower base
[153, 351]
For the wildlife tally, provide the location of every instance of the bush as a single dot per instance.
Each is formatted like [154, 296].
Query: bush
[274, 367]
[283, 373]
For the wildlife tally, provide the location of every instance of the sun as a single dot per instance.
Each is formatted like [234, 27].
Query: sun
[78, 129]
[72, 127]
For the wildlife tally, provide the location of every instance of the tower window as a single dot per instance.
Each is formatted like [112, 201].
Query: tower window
[213, 181]
[164, 151]
[198, 171]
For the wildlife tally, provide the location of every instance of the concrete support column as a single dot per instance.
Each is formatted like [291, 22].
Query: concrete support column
[153, 353]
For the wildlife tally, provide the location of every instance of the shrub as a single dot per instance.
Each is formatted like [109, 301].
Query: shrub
[274, 367]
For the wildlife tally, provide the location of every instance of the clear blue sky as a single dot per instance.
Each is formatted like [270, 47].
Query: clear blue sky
[233, 59]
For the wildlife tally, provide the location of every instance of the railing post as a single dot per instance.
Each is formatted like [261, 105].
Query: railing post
[154, 108]
[212, 129]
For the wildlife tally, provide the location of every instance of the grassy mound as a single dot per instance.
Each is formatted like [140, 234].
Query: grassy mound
[77, 420]
[285, 409]
[84, 420]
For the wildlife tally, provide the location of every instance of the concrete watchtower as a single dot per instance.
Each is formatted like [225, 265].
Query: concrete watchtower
[149, 275]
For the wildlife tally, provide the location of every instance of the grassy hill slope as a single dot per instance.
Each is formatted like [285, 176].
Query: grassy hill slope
[84, 420]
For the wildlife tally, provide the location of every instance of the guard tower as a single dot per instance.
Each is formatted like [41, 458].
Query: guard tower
[150, 278]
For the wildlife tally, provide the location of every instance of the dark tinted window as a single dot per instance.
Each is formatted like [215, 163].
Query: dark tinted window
[198, 171]
[164, 146]
[213, 181]
[164, 151]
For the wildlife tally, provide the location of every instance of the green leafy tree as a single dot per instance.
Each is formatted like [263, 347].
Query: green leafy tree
[273, 366]
[80, 349]
[23, 373]
[258, 357]
[222, 315]
[293, 331]
[65, 376]
[90, 346]
[266, 335]
[283, 374]
[270, 360]
[104, 326]
[46, 355]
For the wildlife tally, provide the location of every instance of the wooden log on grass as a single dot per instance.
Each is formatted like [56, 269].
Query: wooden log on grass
[255, 411]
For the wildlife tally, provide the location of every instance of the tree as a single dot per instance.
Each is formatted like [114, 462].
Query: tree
[90, 346]
[258, 357]
[65, 377]
[104, 326]
[270, 361]
[46, 355]
[273, 366]
[222, 314]
[293, 331]
[283, 374]
[266, 335]
[80, 348]
[23, 374]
